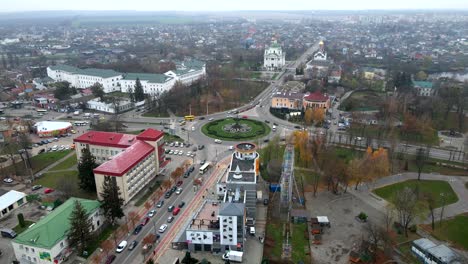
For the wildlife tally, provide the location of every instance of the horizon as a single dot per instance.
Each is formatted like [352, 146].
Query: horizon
[228, 6]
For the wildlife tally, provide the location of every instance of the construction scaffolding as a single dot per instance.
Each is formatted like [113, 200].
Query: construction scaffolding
[286, 181]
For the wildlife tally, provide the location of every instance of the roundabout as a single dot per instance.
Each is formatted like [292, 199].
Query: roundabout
[235, 129]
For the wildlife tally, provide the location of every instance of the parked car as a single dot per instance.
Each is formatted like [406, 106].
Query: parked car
[121, 246]
[8, 180]
[132, 245]
[200, 147]
[168, 195]
[179, 183]
[162, 228]
[173, 189]
[218, 141]
[145, 221]
[137, 229]
[170, 208]
[170, 219]
[48, 190]
[151, 213]
[36, 187]
[178, 191]
[181, 204]
[110, 259]
[160, 204]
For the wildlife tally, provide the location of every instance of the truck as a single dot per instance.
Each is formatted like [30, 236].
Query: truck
[233, 255]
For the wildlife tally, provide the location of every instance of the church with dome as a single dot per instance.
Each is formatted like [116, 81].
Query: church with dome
[274, 58]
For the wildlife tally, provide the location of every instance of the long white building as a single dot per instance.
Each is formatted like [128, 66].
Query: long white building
[274, 57]
[154, 84]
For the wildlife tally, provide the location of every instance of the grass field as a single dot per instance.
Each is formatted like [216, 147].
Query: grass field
[299, 243]
[18, 229]
[454, 230]
[214, 129]
[362, 101]
[273, 233]
[38, 162]
[425, 186]
[66, 164]
[431, 167]
[151, 114]
[52, 180]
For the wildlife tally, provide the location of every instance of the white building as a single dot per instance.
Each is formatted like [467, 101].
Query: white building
[10, 200]
[274, 58]
[84, 78]
[46, 241]
[153, 84]
[96, 104]
[188, 71]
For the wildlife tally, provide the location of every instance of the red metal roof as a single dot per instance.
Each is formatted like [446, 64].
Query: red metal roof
[108, 139]
[124, 161]
[150, 135]
[316, 97]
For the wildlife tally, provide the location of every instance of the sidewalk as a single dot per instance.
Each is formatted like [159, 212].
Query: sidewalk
[457, 183]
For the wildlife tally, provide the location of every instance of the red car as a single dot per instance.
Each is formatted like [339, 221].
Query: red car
[145, 221]
[48, 190]
[179, 183]
[245, 117]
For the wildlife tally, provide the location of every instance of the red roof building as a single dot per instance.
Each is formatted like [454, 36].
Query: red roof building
[124, 161]
[107, 139]
[316, 100]
[150, 135]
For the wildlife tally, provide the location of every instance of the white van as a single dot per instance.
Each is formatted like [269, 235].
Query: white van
[252, 231]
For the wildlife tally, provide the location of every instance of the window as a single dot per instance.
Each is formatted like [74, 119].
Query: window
[61, 244]
[32, 250]
[27, 249]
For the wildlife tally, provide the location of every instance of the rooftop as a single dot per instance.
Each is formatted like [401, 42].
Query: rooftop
[206, 217]
[316, 97]
[422, 84]
[232, 209]
[124, 161]
[8, 198]
[104, 73]
[109, 139]
[150, 77]
[150, 135]
[45, 126]
[54, 227]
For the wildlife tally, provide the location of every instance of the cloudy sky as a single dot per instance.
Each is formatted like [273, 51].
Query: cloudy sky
[225, 5]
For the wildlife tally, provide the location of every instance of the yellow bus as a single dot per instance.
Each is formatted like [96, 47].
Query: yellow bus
[189, 117]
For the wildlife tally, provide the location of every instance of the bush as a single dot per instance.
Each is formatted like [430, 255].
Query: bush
[413, 228]
[21, 221]
[362, 216]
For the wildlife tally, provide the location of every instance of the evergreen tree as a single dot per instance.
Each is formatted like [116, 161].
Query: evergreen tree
[85, 169]
[80, 228]
[97, 90]
[131, 95]
[139, 93]
[111, 201]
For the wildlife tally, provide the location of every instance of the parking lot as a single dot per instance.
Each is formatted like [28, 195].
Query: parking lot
[345, 230]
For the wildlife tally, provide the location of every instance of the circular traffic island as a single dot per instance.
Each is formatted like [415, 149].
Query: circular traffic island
[235, 129]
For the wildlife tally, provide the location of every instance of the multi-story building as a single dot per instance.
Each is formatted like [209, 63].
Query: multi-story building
[153, 84]
[46, 241]
[423, 88]
[132, 161]
[10, 200]
[188, 71]
[84, 78]
[120, 106]
[274, 58]
[316, 100]
[289, 97]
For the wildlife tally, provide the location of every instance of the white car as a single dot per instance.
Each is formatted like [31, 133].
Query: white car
[162, 228]
[171, 152]
[231, 147]
[193, 155]
[121, 246]
[178, 191]
[151, 213]
[181, 152]
[181, 145]
[189, 153]
[54, 148]
[8, 180]
[193, 128]
[218, 141]
[358, 138]
[211, 119]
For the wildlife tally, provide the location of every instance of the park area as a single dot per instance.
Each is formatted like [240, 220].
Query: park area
[438, 189]
[38, 163]
[236, 129]
[362, 101]
[453, 230]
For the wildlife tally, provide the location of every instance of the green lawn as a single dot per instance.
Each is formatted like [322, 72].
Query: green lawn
[96, 242]
[18, 229]
[66, 164]
[274, 232]
[347, 154]
[52, 179]
[430, 167]
[170, 138]
[454, 230]
[299, 243]
[409, 257]
[425, 186]
[38, 162]
[215, 129]
[153, 114]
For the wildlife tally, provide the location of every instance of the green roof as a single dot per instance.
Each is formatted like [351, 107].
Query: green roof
[54, 227]
[422, 84]
[88, 71]
[150, 77]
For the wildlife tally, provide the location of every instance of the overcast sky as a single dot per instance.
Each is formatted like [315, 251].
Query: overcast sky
[226, 5]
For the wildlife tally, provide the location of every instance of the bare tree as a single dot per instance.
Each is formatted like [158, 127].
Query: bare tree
[66, 187]
[407, 206]
[431, 204]
[422, 155]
